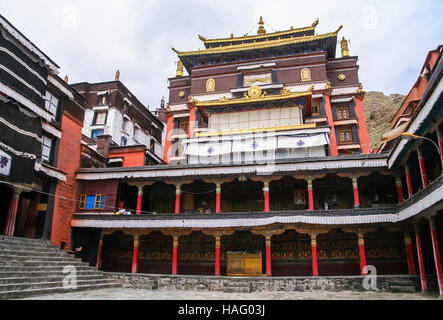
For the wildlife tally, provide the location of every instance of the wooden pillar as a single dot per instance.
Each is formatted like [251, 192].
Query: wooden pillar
[168, 139]
[99, 253]
[424, 284]
[217, 254]
[177, 198]
[436, 249]
[135, 254]
[268, 255]
[310, 194]
[139, 199]
[410, 254]
[174, 254]
[333, 149]
[355, 188]
[12, 213]
[440, 143]
[399, 185]
[314, 254]
[266, 194]
[409, 181]
[218, 198]
[192, 119]
[361, 246]
[421, 163]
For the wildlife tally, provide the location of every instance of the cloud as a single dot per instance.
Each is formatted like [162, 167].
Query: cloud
[90, 40]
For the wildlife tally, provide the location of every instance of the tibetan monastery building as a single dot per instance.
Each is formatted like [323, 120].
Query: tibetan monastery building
[269, 171]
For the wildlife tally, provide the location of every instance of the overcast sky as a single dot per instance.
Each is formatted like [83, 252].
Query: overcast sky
[91, 39]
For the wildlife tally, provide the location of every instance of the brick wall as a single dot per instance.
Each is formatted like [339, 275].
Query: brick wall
[68, 162]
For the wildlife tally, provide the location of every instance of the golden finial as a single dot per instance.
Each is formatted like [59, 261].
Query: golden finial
[66, 79]
[328, 85]
[179, 69]
[315, 23]
[360, 89]
[261, 29]
[232, 35]
[201, 38]
[175, 50]
[339, 28]
[311, 88]
[344, 48]
[117, 75]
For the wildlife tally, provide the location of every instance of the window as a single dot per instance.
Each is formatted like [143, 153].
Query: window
[152, 146]
[124, 141]
[99, 202]
[100, 118]
[51, 103]
[183, 126]
[97, 133]
[315, 110]
[342, 113]
[102, 100]
[82, 204]
[125, 124]
[92, 202]
[46, 148]
[345, 136]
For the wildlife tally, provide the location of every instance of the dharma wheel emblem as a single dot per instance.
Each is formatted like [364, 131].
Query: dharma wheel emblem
[254, 92]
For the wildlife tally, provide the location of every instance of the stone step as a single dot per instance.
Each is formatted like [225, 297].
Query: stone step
[4, 238]
[46, 285]
[26, 242]
[23, 253]
[28, 258]
[47, 269]
[4, 246]
[237, 289]
[48, 278]
[403, 289]
[44, 273]
[14, 294]
[42, 263]
[237, 284]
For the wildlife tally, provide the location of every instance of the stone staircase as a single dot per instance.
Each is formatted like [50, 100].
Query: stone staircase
[402, 286]
[31, 267]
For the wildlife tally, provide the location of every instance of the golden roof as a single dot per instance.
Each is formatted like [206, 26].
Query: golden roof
[260, 36]
[257, 45]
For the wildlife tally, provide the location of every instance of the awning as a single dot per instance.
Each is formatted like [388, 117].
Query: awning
[208, 149]
[296, 142]
[115, 160]
[255, 144]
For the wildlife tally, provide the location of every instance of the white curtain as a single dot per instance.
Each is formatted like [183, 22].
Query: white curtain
[295, 142]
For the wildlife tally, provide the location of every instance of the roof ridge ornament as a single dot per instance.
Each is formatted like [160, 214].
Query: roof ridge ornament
[261, 29]
[315, 23]
[117, 75]
[344, 48]
[202, 38]
[339, 28]
[175, 50]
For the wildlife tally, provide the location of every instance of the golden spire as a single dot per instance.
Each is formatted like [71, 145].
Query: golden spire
[315, 23]
[117, 75]
[261, 29]
[344, 48]
[66, 79]
[179, 69]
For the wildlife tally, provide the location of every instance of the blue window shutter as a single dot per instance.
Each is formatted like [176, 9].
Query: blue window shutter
[90, 203]
[103, 202]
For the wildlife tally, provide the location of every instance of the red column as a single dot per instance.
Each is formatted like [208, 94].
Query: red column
[177, 199]
[355, 188]
[436, 249]
[421, 265]
[217, 255]
[333, 139]
[174, 255]
[139, 200]
[362, 126]
[361, 246]
[266, 193]
[440, 144]
[12, 213]
[268, 256]
[218, 198]
[421, 162]
[135, 254]
[99, 254]
[168, 142]
[192, 119]
[314, 254]
[310, 195]
[399, 185]
[410, 254]
[409, 181]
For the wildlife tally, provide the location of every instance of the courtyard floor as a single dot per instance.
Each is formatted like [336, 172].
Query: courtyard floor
[169, 294]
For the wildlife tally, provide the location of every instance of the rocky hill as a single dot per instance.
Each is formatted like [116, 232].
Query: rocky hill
[379, 111]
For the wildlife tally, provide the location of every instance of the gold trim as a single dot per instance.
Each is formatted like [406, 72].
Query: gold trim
[256, 45]
[254, 37]
[222, 133]
[224, 101]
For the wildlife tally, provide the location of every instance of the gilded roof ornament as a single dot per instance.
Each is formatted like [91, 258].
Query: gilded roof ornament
[202, 38]
[66, 79]
[328, 85]
[261, 28]
[360, 89]
[179, 69]
[315, 23]
[344, 48]
[175, 50]
[339, 28]
[117, 75]
[285, 91]
[311, 88]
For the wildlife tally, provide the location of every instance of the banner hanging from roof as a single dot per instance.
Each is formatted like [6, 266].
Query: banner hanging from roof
[208, 149]
[295, 142]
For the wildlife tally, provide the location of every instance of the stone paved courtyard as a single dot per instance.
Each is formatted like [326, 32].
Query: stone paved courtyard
[172, 294]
